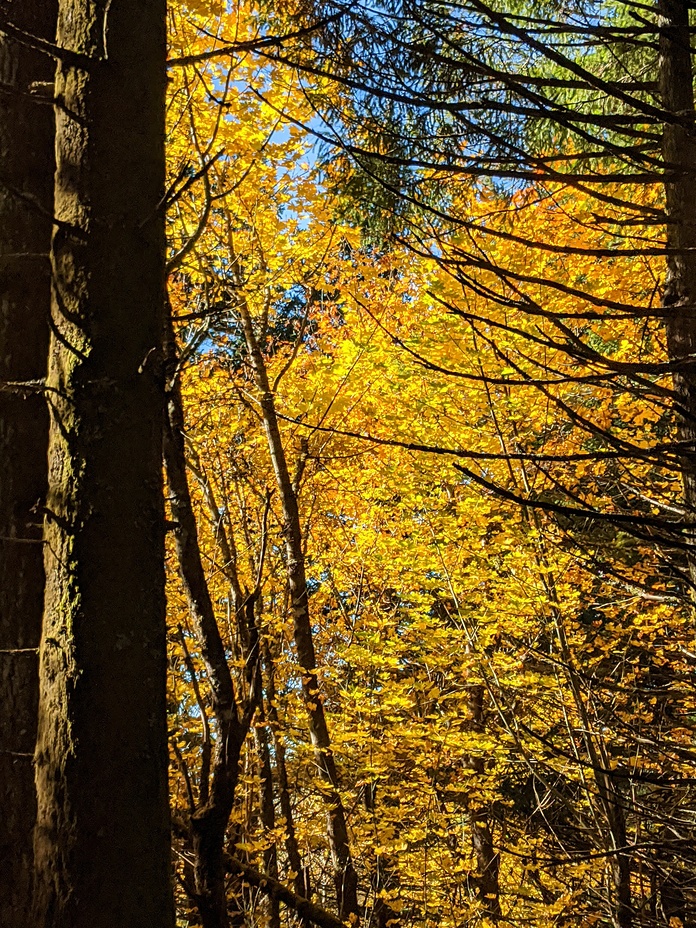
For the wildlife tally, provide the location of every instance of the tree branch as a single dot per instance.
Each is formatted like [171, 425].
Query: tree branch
[277, 890]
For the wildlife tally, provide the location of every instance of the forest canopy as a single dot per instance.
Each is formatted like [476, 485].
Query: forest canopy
[371, 484]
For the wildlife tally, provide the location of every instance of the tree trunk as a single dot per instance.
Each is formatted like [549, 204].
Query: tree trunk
[679, 152]
[301, 880]
[26, 178]
[487, 858]
[209, 822]
[345, 877]
[267, 815]
[102, 841]
[619, 863]
[384, 872]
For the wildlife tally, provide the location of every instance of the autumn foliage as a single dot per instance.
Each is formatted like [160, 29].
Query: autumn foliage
[478, 436]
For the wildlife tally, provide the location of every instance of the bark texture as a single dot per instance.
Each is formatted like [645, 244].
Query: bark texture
[102, 845]
[679, 152]
[26, 203]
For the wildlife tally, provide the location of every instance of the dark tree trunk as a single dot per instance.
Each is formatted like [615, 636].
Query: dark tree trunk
[384, 873]
[267, 815]
[208, 826]
[102, 843]
[26, 204]
[679, 152]
[266, 790]
[209, 822]
[487, 858]
[301, 881]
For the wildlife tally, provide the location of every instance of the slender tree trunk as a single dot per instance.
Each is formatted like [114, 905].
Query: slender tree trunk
[679, 152]
[384, 874]
[209, 822]
[102, 840]
[26, 205]
[487, 858]
[345, 877]
[620, 861]
[266, 791]
[211, 817]
[267, 815]
[301, 880]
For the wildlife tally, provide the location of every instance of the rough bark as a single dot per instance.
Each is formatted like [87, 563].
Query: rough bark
[679, 152]
[345, 877]
[26, 204]
[102, 843]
